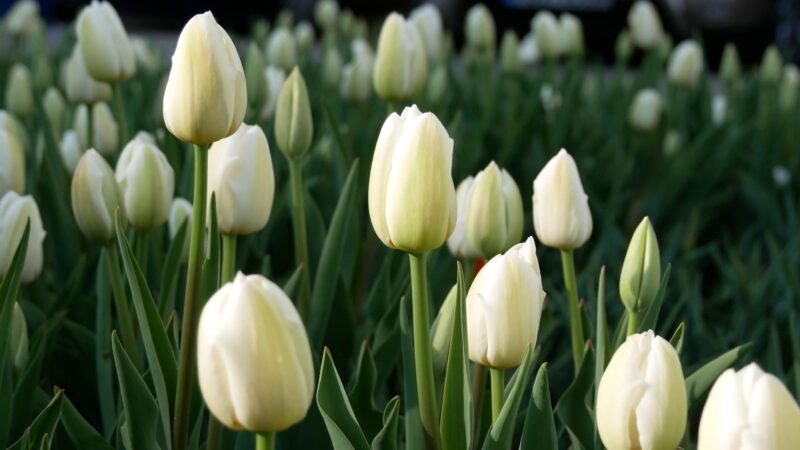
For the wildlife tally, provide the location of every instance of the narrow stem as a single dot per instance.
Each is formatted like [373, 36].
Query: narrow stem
[478, 389]
[498, 381]
[89, 126]
[214, 434]
[121, 303]
[265, 440]
[140, 249]
[300, 235]
[228, 258]
[120, 112]
[576, 328]
[428, 408]
[183, 394]
[633, 322]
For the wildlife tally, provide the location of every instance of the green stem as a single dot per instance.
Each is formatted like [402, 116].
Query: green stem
[576, 328]
[498, 381]
[428, 408]
[478, 389]
[183, 395]
[214, 434]
[300, 235]
[633, 322]
[140, 249]
[121, 303]
[120, 112]
[265, 440]
[89, 126]
[228, 258]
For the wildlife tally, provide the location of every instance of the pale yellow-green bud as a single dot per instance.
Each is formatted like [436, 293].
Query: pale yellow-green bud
[548, 35]
[19, 91]
[70, 150]
[623, 47]
[326, 14]
[206, 94]
[457, 243]
[686, 64]
[105, 137]
[645, 26]
[254, 66]
[479, 29]
[730, 67]
[104, 43]
[10, 123]
[282, 49]
[54, 109]
[494, 212]
[274, 78]
[241, 177]
[331, 67]
[96, 197]
[15, 211]
[356, 82]
[529, 50]
[442, 331]
[147, 57]
[260, 31]
[641, 398]
[80, 87]
[412, 200]
[304, 36]
[645, 110]
[641, 270]
[18, 340]
[147, 183]
[504, 306]
[571, 31]
[254, 361]
[294, 126]
[509, 53]
[787, 95]
[401, 65]
[672, 143]
[771, 65]
[437, 85]
[12, 164]
[428, 21]
[21, 18]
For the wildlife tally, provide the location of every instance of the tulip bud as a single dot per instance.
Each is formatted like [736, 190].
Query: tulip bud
[457, 242]
[80, 87]
[253, 357]
[641, 398]
[331, 67]
[254, 66]
[54, 108]
[104, 43]
[10, 123]
[294, 126]
[550, 98]
[730, 67]
[787, 95]
[479, 29]
[96, 196]
[206, 95]
[509, 53]
[529, 50]
[18, 339]
[19, 91]
[571, 31]
[71, 150]
[15, 211]
[21, 18]
[749, 409]
[561, 213]
[240, 173]
[771, 65]
[437, 86]
[623, 47]
[428, 21]
[412, 200]
[494, 212]
[645, 26]
[645, 111]
[273, 81]
[12, 164]
[147, 183]
[401, 67]
[719, 106]
[105, 138]
[304, 36]
[356, 82]
[282, 49]
[442, 331]
[673, 141]
[504, 305]
[548, 35]
[260, 31]
[180, 212]
[641, 270]
[686, 64]
[326, 14]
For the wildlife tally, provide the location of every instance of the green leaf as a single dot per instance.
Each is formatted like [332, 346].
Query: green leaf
[340, 420]
[502, 430]
[160, 358]
[415, 438]
[572, 408]
[44, 424]
[9, 293]
[211, 266]
[386, 439]
[330, 259]
[700, 381]
[456, 421]
[170, 272]
[539, 431]
[29, 380]
[386, 341]
[103, 361]
[621, 333]
[602, 339]
[80, 432]
[650, 320]
[292, 285]
[360, 394]
[141, 412]
[677, 338]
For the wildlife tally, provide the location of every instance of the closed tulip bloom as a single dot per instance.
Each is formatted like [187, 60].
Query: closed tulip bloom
[437, 86]
[80, 86]
[355, 85]
[504, 305]
[304, 36]
[645, 111]
[641, 398]
[96, 196]
[273, 82]
[401, 66]
[22, 17]
[645, 26]
[254, 66]
[771, 65]
[442, 331]
[240, 173]
[12, 164]
[104, 43]
[331, 67]
[571, 31]
[479, 29]
[787, 95]
[494, 212]
[548, 34]
[428, 21]
[686, 64]
[730, 67]
[749, 409]
[719, 109]
[253, 357]
[146, 55]
[510, 61]
[18, 339]
[641, 270]
[457, 243]
[147, 183]
[206, 94]
[10, 123]
[412, 200]
[42, 72]
[15, 211]
[19, 91]
[529, 52]
[105, 137]
[326, 14]
[70, 149]
[282, 49]
[179, 212]
[561, 213]
[672, 143]
[54, 109]
[294, 126]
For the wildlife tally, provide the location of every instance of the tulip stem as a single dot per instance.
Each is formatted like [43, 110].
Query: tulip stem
[300, 236]
[89, 127]
[633, 322]
[214, 433]
[265, 440]
[183, 395]
[576, 328]
[120, 111]
[422, 349]
[498, 381]
[121, 303]
[228, 258]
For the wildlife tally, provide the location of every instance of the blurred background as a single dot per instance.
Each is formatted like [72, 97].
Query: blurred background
[750, 24]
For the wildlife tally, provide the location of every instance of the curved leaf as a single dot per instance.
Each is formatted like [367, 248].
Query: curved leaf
[340, 420]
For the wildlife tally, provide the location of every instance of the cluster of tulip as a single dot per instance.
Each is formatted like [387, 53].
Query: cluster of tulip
[250, 350]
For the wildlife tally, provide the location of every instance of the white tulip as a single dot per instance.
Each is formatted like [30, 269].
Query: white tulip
[787, 95]
[686, 64]
[645, 26]
[96, 197]
[79, 85]
[104, 43]
[529, 52]
[548, 34]
[457, 242]
[641, 398]
[771, 65]
[645, 110]
[12, 164]
[10, 123]
[180, 212]
[571, 31]
[54, 108]
[304, 36]
[479, 29]
[494, 212]
[282, 49]
[19, 91]
[71, 150]
[428, 21]
[273, 80]
[15, 211]
[401, 65]
[22, 17]
[105, 137]
[719, 107]
[147, 182]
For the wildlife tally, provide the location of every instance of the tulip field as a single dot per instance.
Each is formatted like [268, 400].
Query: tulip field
[335, 233]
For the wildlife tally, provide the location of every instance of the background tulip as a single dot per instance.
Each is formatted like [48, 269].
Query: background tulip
[95, 197]
[730, 67]
[457, 242]
[105, 138]
[22, 17]
[147, 183]
[254, 66]
[641, 270]
[494, 212]
[15, 211]
[645, 26]
[12, 164]
[179, 212]
[18, 339]
[19, 91]
[70, 149]
[80, 87]
[282, 49]
[686, 64]
[645, 111]
[571, 31]
[54, 108]
[548, 35]
[273, 82]
[428, 21]
[104, 43]
[401, 65]
[479, 29]
[294, 126]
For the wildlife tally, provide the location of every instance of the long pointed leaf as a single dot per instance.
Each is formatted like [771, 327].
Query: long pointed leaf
[9, 292]
[340, 420]
[386, 439]
[44, 424]
[539, 431]
[456, 422]
[80, 432]
[502, 430]
[650, 319]
[700, 381]
[572, 408]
